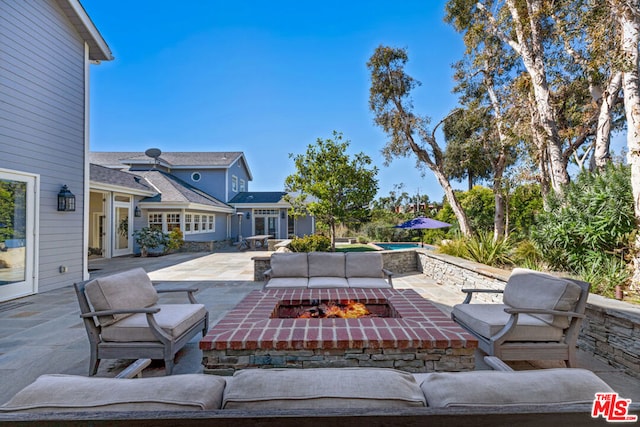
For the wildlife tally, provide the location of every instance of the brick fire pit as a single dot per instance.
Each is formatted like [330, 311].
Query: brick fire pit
[407, 333]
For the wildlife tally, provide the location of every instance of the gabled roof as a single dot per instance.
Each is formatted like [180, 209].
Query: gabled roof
[173, 160]
[115, 178]
[262, 197]
[98, 48]
[175, 192]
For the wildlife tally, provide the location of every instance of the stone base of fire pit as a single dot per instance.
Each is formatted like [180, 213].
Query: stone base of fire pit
[417, 337]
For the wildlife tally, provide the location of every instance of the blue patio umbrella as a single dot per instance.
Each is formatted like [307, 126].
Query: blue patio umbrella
[421, 223]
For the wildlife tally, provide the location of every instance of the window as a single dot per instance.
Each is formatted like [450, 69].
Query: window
[173, 221]
[195, 177]
[198, 223]
[234, 183]
[155, 221]
[242, 185]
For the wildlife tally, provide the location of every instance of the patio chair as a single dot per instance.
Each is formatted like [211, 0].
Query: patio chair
[124, 320]
[539, 319]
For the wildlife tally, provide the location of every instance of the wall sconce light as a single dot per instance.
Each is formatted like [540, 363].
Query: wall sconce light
[248, 215]
[137, 213]
[66, 200]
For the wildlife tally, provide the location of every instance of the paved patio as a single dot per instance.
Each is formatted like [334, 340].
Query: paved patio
[43, 333]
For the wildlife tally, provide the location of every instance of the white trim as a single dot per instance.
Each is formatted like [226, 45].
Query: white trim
[184, 205]
[87, 169]
[118, 189]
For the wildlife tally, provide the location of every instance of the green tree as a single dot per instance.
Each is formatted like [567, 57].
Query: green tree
[389, 99]
[330, 185]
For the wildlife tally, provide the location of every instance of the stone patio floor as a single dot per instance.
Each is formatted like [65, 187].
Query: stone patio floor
[43, 333]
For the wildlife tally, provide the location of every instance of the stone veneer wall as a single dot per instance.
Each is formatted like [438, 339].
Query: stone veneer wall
[610, 331]
[210, 246]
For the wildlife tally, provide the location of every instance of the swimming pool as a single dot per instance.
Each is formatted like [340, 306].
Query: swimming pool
[402, 245]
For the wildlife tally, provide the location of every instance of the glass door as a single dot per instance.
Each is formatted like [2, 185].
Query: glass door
[121, 230]
[17, 225]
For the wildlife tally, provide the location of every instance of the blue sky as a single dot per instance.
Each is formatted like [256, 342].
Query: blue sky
[265, 78]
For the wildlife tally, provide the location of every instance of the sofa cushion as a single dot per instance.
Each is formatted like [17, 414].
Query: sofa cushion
[364, 264]
[71, 393]
[322, 264]
[287, 282]
[533, 289]
[321, 388]
[493, 388]
[368, 282]
[174, 319]
[328, 282]
[289, 264]
[125, 290]
[488, 319]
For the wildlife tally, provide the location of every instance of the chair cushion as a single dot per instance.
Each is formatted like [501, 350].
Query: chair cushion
[71, 393]
[321, 388]
[327, 282]
[289, 264]
[174, 319]
[560, 386]
[364, 264]
[125, 290]
[322, 264]
[487, 320]
[287, 282]
[533, 289]
[368, 282]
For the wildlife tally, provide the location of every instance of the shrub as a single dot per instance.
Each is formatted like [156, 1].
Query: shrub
[484, 249]
[315, 243]
[174, 240]
[148, 238]
[456, 247]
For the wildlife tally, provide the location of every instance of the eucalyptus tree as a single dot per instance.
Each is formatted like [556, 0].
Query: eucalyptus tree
[389, 99]
[332, 186]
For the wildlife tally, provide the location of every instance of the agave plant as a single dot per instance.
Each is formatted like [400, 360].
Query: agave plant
[484, 249]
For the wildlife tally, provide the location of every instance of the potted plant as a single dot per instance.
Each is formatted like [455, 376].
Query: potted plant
[149, 239]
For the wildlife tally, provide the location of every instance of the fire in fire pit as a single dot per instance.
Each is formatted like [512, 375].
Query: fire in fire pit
[316, 309]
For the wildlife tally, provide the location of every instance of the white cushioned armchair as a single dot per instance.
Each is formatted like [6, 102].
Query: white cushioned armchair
[124, 320]
[539, 319]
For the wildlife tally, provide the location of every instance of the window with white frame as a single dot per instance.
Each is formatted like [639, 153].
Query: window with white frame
[234, 183]
[173, 222]
[155, 221]
[242, 185]
[199, 223]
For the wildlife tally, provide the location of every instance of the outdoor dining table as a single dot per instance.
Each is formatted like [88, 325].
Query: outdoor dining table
[262, 238]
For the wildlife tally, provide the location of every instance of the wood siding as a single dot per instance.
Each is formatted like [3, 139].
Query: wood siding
[42, 119]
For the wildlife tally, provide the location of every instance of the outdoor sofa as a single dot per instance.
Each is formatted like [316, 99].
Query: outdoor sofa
[312, 397]
[322, 270]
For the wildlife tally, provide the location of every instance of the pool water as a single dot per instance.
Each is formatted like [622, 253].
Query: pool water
[398, 246]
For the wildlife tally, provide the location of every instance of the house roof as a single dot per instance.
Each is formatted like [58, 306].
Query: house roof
[171, 159]
[115, 178]
[98, 48]
[253, 197]
[174, 191]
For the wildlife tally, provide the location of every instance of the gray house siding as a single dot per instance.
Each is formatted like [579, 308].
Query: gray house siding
[42, 120]
[237, 169]
[211, 181]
